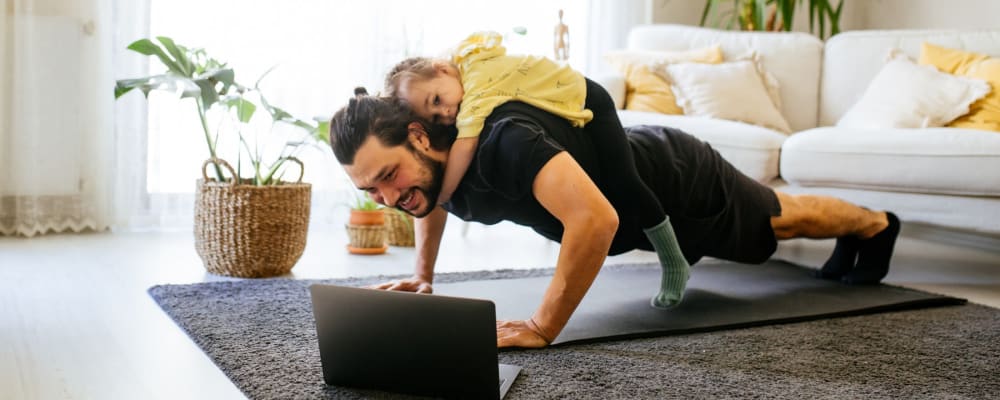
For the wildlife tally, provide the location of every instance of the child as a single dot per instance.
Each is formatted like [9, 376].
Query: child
[480, 76]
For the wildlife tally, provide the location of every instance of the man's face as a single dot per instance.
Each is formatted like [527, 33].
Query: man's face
[401, 176]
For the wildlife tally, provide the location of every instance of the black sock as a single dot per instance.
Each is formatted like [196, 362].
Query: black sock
[842, 260]
[874, 255]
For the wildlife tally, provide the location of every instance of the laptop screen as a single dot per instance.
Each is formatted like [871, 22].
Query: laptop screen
[406, 342]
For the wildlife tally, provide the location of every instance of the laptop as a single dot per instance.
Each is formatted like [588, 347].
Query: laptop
[403, 342]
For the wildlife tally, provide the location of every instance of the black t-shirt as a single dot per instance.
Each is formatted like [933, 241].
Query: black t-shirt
[516, 142]
[693, 183]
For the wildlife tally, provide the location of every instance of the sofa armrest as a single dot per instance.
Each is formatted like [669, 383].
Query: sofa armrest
[615, 85]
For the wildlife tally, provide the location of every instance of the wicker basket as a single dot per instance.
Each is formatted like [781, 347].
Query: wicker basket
[399, 228]
[366, 239]
[250, 231]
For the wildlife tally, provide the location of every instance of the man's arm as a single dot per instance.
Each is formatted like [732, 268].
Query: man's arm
[427, 235]
[589, 225]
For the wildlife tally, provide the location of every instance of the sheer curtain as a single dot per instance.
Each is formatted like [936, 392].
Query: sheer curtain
[610, 22]
[320, 50]
[56, 135]
[74, 158]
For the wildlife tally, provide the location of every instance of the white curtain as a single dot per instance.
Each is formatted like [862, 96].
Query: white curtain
[56, 134]
[609, 22]
[74, 158]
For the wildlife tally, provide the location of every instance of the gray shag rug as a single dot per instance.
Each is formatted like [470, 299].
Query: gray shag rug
[261, 335]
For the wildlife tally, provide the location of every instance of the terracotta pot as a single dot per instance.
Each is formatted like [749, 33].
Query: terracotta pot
[361, 217]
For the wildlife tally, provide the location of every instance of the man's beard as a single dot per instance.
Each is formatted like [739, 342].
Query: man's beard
[430, 189]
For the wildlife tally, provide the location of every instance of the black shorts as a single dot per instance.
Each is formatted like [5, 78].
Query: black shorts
[715, 209]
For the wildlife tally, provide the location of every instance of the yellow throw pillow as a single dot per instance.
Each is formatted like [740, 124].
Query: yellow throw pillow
[985, 113]
[647, 91]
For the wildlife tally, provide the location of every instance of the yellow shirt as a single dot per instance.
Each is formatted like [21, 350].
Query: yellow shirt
[490, 78]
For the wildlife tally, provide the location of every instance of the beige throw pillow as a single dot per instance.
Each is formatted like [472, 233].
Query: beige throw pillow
[735, 91]
[906, 95]
[644, 89]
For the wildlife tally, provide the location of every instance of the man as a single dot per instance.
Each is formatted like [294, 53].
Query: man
[534, 169]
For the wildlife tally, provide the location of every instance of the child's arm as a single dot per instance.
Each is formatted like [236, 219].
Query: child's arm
[459, 158]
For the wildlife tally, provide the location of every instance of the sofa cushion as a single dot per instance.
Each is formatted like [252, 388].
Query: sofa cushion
[931, 160]
[793, 58]
[752, 149]
[985, 113]
[907, 95]
[735, 91]
[852, 59]
[646, 91]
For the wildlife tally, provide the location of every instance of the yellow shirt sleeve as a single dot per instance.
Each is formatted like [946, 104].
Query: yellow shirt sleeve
[490, 78]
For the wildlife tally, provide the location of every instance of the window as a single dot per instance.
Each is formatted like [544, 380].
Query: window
[322, 49]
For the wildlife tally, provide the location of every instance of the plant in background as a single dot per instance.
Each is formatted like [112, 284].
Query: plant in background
[364, 202]
[773, 15]
[193, 74]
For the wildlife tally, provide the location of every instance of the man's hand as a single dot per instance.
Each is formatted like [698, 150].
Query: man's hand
[413, 284]
[521, 333]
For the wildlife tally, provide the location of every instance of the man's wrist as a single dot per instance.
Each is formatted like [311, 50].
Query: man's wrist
[429, 279]
[535, 326]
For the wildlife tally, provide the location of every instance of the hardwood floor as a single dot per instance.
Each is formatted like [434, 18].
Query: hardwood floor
[76, 322]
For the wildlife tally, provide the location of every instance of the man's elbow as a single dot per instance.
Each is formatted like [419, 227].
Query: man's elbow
[605, 223]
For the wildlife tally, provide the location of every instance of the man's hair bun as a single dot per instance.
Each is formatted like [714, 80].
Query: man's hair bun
[360, 91]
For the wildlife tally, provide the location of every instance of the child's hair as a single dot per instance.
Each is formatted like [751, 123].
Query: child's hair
[413, 67]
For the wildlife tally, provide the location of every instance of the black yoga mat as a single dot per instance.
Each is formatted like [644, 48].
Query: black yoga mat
[720, 295]
[261, 335]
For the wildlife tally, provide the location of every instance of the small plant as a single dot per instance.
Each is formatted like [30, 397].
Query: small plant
[365, 202]
[211, 83]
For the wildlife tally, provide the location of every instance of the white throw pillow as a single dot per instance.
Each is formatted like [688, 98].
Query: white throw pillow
[735, 91]
[906, 95]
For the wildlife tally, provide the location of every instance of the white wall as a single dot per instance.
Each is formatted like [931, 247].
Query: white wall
[866, 14]
[935, 14]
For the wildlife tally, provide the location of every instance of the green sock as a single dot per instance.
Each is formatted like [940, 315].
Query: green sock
[675, 267]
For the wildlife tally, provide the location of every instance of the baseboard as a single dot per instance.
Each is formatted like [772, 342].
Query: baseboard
[957, 237]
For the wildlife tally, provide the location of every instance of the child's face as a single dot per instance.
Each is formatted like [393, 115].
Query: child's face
[436, 99]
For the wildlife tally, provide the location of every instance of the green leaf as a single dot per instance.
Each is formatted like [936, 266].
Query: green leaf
[245, 110]
[815, 13]
[520, 30]
[322, 132]
[207, 92]
[147, 47]
[224, 75]
[121, 90]
[709, 5]
[760, 15]
[162, 82]
[787, 10]
[123, 86]
[835, 18]
[277, 114]
[182, 60]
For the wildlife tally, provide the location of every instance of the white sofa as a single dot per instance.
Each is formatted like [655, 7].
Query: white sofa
[943, 177]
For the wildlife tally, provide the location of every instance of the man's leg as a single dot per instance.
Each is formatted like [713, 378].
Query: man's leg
[862, 233]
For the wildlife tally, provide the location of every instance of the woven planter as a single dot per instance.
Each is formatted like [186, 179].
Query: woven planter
[250, 231]
[399, 229]
[366, 232]
[366, 239]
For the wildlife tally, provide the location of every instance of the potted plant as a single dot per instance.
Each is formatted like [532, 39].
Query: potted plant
[366, 230]
[251, 226]
[773, 15]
